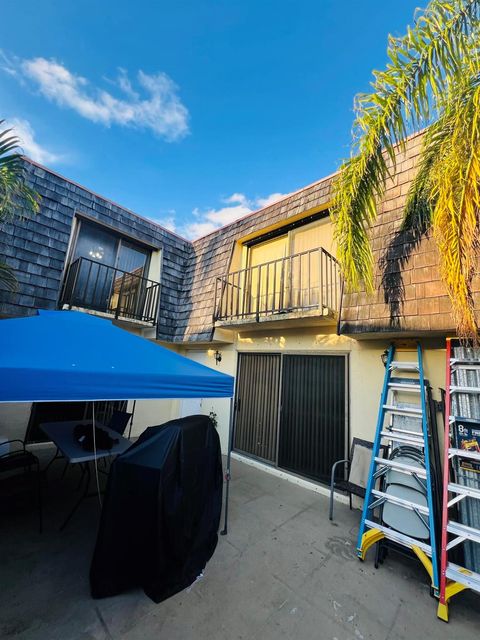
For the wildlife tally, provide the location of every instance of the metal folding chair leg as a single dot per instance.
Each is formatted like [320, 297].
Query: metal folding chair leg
[332, 486]
[39, 498]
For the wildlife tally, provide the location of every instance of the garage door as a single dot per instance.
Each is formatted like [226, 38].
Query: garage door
[291, 411]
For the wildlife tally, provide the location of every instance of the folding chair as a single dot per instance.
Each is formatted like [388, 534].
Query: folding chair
[358, 465]
[20, 458]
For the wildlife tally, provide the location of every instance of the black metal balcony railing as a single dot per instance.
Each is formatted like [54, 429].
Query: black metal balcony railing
[304, 281]
[92, 285]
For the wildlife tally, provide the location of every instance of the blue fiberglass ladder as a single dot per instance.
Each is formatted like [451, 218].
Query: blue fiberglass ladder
[405, 427]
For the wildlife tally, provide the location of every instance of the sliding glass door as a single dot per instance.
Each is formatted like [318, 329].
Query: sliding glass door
[111, 270]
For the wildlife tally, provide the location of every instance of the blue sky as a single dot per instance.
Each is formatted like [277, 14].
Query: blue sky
[191, 112]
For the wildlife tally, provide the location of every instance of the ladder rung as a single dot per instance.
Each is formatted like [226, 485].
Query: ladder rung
[465, 362]
[464, 389]
[407, 432]
[400, 538]
[398, 437]
[408, 387]
[403, 411]
[406, 504]
[464, 576]
[463, 453]
[462, 490]
[466, 367]
[404, 366]
[400, 466]
[461, 530]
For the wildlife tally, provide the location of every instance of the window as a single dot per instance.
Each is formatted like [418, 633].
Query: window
[109, 273]
[287, 271]
[101, 245]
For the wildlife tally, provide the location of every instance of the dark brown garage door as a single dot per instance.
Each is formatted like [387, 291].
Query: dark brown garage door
[291, 411]
[312, 422]
[257, 405]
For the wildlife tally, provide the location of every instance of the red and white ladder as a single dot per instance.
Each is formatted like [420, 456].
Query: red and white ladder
[462, 397]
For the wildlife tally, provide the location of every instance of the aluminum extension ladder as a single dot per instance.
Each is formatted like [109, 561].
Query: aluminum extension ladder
[462, 401]
[394, 429]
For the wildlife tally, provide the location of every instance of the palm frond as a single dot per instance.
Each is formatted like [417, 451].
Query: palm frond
[422, 65]
[455, 192]
[16, 197]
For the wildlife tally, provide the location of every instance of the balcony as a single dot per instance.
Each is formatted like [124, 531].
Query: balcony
[109, 291]
[304, 286]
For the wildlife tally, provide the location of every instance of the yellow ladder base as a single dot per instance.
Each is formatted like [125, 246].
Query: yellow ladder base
[372, 536]
[451, 590]
[369, 538]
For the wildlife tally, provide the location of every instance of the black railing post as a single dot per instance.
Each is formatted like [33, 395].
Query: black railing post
[215, 309]
[78, 263]
[119, 301]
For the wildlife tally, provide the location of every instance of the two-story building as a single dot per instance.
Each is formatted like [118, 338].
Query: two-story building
[261, 298]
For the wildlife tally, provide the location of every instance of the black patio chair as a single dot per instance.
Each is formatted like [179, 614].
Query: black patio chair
[358, 465]
[22, 459]
[119, 421]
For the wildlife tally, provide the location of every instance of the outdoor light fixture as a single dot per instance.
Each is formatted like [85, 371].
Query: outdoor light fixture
[218, 356]
[384, 357]
[97, 253]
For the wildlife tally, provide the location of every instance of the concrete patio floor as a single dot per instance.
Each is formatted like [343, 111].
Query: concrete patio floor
[284, 571]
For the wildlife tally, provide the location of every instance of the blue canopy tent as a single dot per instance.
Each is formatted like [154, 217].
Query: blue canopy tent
[70, 356]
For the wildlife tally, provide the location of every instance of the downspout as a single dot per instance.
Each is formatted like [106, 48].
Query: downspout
[341, 307]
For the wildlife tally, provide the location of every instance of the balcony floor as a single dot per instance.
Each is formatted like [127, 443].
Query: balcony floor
[300, 318]
[284, 571]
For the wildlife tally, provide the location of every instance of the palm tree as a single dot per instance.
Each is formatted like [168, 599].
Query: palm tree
[432, 82]
[16, 198]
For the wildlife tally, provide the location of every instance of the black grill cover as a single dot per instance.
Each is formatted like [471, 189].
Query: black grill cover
[161, 511]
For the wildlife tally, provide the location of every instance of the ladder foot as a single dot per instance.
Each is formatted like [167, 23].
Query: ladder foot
[427, 564]
[369, 538]
[442, 611]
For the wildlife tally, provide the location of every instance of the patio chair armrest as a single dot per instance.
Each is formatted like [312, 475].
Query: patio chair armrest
[345, 462]
[5, 442]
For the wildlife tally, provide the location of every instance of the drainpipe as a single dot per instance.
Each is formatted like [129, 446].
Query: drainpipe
[341, 307]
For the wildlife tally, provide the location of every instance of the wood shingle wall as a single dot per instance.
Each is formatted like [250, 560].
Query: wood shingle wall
[36, 246]
[211, 257]
[410, 296]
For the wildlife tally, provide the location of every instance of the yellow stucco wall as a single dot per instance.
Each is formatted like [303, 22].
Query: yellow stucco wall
[366, 371]
[365, 378]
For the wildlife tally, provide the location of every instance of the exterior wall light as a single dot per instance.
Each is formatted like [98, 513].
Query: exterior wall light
[218, 357]
[384, 357]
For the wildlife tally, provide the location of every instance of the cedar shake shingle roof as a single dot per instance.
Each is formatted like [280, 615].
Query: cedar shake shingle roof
[409, 295]
[409, 298]
[211, 257]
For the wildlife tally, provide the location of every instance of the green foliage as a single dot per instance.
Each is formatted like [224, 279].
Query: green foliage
[430, 81]
[15, 196]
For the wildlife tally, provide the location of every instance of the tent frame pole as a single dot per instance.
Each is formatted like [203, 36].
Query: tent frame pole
[131, 418]
[224, 531]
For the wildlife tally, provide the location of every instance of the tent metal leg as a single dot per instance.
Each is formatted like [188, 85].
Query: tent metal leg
[224, 531]
[131, 419]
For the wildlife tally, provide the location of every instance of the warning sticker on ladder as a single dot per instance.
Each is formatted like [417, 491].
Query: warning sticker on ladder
[467, 438]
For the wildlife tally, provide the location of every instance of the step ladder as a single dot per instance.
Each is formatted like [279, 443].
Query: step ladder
[462, 403]
[404, 424]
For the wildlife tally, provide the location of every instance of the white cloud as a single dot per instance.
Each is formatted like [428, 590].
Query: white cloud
[28, 144]
[168, 223]
[159, 109]
[238, 205]
[271, 199]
